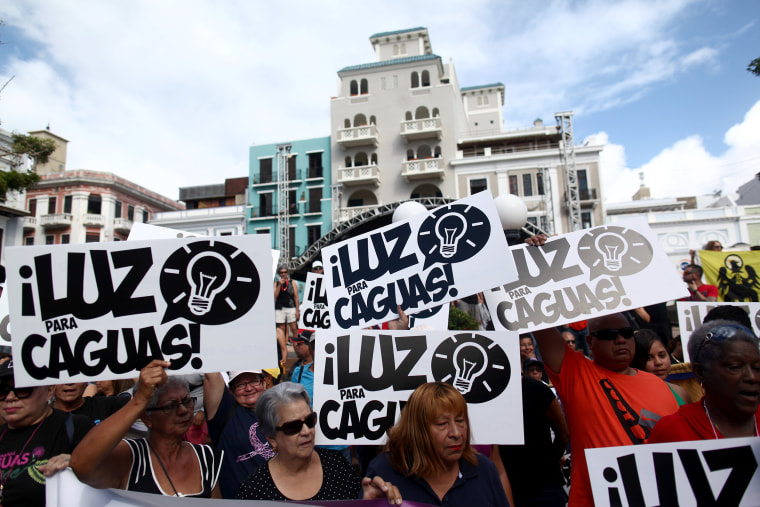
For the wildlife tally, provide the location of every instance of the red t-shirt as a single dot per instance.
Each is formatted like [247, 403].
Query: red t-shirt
[708, 291]
[689, 423]
[606, 409]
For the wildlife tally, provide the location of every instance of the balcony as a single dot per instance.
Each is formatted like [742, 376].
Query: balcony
[122, 225]
[262, 212]
[345, 214]
[426, 168]
[587, 198]
[427, 128]
[56, 220]
[365, 135]
[93, 220]
[30, 223]
[359, 175]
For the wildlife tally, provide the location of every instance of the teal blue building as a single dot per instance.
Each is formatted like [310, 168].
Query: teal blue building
[309, 193]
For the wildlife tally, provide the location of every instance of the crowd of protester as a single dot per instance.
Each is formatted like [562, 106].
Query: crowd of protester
[251, 434]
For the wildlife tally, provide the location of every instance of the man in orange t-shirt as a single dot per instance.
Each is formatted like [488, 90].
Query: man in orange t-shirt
[607, 403]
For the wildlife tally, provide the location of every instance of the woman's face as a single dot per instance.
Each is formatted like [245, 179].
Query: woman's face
[732, 382]
[526, 348]
[298, 445]
[20, 413]
[172, 414]
[105, 387]
[449, 434]
[246, 389]
[658, 362]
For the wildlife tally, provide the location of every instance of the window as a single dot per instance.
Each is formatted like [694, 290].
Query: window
[586, 220]
[226, 234]
[145, 216]
[67, 204]
[292, 202]
[117, 209]
[92, 237]
[313, 233]
[93, 204]
[527, 185]
[513, 185]
[52, 201]
[425, 78]
[130, 213]
[29, 240]
[65, 238]
[364, 87]
[315, 200]
[382, 83]
[265, 170]
[415, 80]
[262, 231]
[50, 239]
[395, 81]
[315, 165]
[33, 207]
[292, 241]
[582, 185]
[478, 185]
[292, 168]
[265, 205]
[354, 88]
[539, 183]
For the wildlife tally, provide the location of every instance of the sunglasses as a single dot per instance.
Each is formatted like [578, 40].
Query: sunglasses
[612, 334]
[293, 427]
[188, 403]
[570, 342]
[21, 393]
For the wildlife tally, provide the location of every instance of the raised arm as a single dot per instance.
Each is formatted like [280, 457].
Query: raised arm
[213, 390]
[102, 459]
[552, 347]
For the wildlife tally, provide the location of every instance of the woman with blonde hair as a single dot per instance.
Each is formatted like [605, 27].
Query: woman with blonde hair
[429, 457]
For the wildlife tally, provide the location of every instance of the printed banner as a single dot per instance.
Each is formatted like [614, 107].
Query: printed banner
[94, 311]
[704, 472]
[585, 274]
[691, 314]
[315, 313]
[425, 261]
[734, 273]
[363, 378]
[432, 318]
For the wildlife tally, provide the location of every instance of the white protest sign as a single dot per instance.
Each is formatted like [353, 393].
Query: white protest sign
[103, 310]
[141, 231]
[692, 313]
[425, 261]
[436, 317]
[315, 313]
[585, 274]
[362, 379]
[705, 472]
[5, 323]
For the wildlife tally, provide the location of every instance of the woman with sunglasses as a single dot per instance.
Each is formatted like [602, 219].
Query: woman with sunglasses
[652, 356]
[726, 360]
[162, 463]
[35, 440]
[429, 457]
[299, 471]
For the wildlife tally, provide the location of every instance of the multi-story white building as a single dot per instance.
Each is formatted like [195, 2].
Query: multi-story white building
[403, 128]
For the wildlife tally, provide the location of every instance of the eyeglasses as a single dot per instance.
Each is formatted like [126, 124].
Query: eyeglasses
[283, 272]
[188, 403]
[22, 393]
[293, 427]
[719, 334]
[612, 334]
[256, 382]
[317, 269]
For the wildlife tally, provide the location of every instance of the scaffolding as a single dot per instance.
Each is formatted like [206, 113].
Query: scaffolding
[283, 204]
[548, 201]
[567, 151]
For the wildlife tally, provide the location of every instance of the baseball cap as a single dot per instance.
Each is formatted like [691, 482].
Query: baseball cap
[304, 335]
[532, 361]
[236, 374]
[316, 264]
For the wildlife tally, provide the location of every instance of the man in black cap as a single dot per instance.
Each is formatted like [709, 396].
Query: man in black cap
[303, 344]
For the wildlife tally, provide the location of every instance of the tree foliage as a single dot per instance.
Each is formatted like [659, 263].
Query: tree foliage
[461, 320]
[754, 66]
[36, 148]
[39, 150]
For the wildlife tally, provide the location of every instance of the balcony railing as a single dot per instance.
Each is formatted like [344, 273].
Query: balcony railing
[293, 175]
[588, 194]
[266, 212]
[30, 223]
[56, 220]
[423, 169]
[359, 175]
[345, 214]
[122, 225]
[426, 128]
[365, 135]
[93, 220]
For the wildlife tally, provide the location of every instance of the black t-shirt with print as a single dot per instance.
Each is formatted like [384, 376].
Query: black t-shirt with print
[23, 483]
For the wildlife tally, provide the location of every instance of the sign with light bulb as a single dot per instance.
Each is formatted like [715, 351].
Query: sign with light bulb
[691, 314]
[363, 378]
[104, 310]
[585, 274]
[421, 262]
[315, 313]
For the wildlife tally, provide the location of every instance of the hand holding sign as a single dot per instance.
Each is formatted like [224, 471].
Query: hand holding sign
[151, 377]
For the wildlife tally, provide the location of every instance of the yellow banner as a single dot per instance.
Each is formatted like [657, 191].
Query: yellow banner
[734, 273]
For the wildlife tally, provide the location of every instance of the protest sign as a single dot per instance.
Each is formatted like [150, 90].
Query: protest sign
[315, 313]
[425, 261]
[705, 472]
[103, 310]
[362, 379]
[432, 318]
[585, 274]
[691, 314]
[141, 231]
[736, 274]
[5, 323]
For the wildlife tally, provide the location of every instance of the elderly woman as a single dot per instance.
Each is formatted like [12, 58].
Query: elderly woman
[428, 455]
[299, 471]
[651, 355]
[162, 463]
[35, 441]
[726, 360]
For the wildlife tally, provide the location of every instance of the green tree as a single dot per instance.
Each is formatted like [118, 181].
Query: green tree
[754, 66]
[39, 150]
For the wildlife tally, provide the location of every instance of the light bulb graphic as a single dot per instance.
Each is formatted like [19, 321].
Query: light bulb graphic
[450, 229]
[208, 273]
[470, 361]
[612, 247]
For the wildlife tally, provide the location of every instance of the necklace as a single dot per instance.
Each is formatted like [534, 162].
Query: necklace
[176, 493]
[17, 457]
[715, 432]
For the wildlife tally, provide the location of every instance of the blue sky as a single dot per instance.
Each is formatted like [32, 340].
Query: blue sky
[173, 93]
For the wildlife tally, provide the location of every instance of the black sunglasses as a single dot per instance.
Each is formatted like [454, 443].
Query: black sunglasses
[293, 427]
[188, 403]
[612, 334]
[22, 393]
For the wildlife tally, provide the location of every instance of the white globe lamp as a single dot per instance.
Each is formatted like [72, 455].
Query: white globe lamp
[407, 210]
[512, 210]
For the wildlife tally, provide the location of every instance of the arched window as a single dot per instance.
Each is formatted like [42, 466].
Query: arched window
[360, 159]
[408, 116]
[403, 48]
[424, 151]
[354, 88]
[374, 158]
[364, 87]
[425, 78]
[346, 123]
[409, 155]
[372, 120]
[415, 80]
[421, 113]
[348, 162]
[436, 112]
[360, 120]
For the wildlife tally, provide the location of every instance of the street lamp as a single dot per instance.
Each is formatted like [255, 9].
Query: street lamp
[513, 214]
